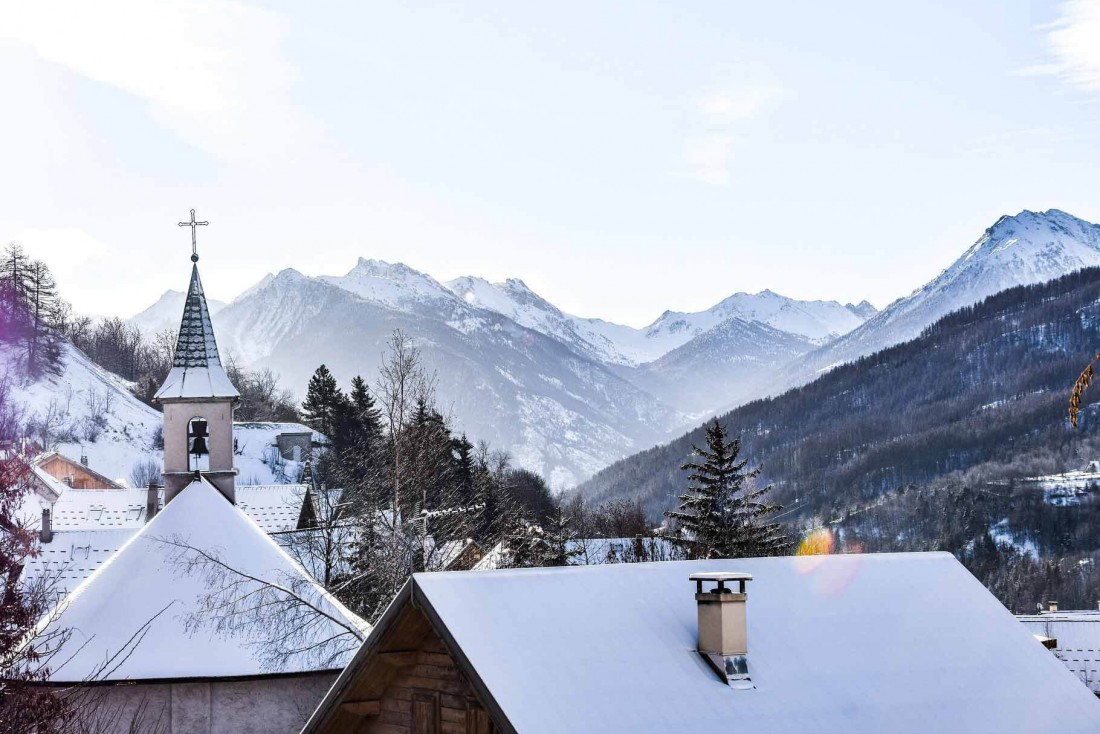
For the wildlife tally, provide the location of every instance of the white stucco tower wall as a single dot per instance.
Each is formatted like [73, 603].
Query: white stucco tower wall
[197, 387]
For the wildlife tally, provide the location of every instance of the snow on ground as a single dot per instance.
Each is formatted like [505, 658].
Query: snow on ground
[91, 412]
[1070, 488]
[88, 411]
[1002, 534]
[257, 458]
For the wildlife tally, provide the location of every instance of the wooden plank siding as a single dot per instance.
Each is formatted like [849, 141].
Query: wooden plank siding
[411, 685]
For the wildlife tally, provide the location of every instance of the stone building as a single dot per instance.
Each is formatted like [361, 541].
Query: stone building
[200, 622]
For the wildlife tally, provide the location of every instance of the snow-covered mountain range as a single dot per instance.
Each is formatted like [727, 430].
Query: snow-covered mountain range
[1031, 247]
[567, 395]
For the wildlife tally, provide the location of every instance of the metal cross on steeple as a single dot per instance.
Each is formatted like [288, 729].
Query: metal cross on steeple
[194, 245]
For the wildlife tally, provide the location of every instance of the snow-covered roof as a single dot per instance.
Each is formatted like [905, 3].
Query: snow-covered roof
[45, 484]
[196, 382]
[71, 557]
[101, 520]
[44, 458]
[145, 613]
[274, 507]
[196, 368]
[1077, 634]
[87, 509]
[864, 644]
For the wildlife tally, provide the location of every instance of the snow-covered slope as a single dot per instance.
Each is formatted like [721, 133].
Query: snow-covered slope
[609, 343]
[728, 364]
[165, 313]
[393, 285]
[1031, 247]
[88, 411]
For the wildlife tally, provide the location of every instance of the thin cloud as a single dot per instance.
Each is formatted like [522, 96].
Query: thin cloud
[211, 71]
[1074, 42]
[720, 118]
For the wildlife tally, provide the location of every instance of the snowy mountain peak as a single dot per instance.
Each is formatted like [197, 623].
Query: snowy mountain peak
[1024, 249]
[818, 321]
[394, 285]
[864, 309]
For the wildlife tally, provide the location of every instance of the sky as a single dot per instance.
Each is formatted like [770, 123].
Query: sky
[622, 158]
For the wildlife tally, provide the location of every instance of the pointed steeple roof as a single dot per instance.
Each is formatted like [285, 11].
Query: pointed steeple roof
[195, 345]
[197, 368]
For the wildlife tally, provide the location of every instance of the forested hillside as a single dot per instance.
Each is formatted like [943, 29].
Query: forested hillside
[985, 386]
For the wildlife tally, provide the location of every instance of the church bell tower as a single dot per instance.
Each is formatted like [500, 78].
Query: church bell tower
[198, 399]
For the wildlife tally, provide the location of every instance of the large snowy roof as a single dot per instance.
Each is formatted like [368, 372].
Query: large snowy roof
[145, 614]
[864, 644]
[197, 368]
[91, 524]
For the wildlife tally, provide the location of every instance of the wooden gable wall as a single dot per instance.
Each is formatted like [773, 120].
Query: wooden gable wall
[411, 685]
[60, 467]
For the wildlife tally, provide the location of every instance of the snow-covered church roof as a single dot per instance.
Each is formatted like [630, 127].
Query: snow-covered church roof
[197, 369]
[863, 644]
[160, 607]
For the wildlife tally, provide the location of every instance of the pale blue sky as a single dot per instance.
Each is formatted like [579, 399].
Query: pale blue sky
[620, 157]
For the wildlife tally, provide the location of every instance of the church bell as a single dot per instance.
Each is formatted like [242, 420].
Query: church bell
[197, 438]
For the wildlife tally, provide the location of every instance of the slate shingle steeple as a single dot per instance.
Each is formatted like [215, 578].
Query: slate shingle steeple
[197, 368]
[198, 400]
[195, 346]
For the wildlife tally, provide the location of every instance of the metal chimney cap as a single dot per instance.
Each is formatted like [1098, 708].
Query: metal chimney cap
[720, 576]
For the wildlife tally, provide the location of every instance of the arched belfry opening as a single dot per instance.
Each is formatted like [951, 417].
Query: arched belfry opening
[198, 447]
[198, 399]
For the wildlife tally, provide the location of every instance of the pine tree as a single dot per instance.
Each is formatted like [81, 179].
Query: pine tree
[43, 347]
[323, 403]
[559, 544]
[464, 470]
[718, 516]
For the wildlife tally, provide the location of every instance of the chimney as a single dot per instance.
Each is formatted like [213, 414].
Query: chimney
[45, 533]
[152, 500]
[1052, 606]
[83, 458]
[723, 632]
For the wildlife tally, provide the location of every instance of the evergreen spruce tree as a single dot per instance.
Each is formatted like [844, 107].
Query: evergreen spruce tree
[463, 476]
[321, 410]
[718, 516]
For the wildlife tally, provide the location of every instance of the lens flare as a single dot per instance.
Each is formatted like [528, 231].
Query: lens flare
[832, 577]
[816, 543]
